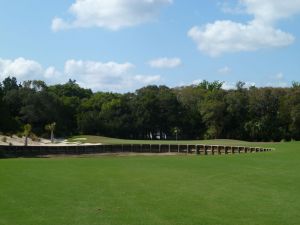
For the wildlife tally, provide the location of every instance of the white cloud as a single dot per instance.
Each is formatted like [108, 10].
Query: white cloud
[279, 76]
[51, 73]
[196, 82]
[96, 74]
[227, 7]
[165, 62]
[270, 11]
[27, 69]
[111, 14]
[96, 68]
[278, 80]
[228, 86]
[250, 84]
[232, 85]
[224, 70]
[59, 24]
[104, 76]
[110, 76]
[20, 68]
[228, 36]
[146, 79]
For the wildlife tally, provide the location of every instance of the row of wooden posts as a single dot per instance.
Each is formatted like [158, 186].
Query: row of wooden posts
[17, 151]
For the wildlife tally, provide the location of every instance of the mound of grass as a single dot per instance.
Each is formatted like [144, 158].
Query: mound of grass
[107, 140]
[256, 189]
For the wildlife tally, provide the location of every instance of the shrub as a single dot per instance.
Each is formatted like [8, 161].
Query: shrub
[34, 137]
[19, 134]
[4, 139]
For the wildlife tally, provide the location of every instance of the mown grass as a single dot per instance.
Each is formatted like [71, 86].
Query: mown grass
[107, 140]
[246, 189]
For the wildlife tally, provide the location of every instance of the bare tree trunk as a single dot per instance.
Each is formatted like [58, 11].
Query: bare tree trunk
[52, 136]
[26, 140]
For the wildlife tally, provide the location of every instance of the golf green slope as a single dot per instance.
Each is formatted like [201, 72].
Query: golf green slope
[246, 189]
[108, 140]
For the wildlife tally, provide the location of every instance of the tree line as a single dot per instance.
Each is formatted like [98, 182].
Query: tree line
[203, 111]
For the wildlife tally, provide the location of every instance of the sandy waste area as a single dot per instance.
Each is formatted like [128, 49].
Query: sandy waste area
[17, 141]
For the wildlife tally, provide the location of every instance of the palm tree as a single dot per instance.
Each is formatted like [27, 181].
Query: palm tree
[51, 127]
[27, 131]
[176, 131]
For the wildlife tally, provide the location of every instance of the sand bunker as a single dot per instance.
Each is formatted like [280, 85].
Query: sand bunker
[19, 141]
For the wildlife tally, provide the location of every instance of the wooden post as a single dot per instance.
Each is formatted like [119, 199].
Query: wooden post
[169, 148]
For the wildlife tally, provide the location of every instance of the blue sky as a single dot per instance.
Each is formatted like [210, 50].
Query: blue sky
[121, 45]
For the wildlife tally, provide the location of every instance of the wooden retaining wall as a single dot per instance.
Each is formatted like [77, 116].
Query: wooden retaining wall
[34, 151]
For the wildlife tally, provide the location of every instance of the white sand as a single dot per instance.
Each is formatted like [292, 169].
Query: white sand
[16, 141]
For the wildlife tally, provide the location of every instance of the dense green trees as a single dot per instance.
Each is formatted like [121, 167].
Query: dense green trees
[293, 111]
[156, 111]
[153, 112]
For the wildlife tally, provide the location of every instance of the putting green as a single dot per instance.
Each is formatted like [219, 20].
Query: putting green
[107, 140]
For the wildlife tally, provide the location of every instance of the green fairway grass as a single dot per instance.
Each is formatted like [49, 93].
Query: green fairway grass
[246, 189]
[107, 140]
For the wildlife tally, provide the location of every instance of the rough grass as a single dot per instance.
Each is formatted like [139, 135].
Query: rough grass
[246, 189]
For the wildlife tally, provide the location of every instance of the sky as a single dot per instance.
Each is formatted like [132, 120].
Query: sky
[123, 45]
